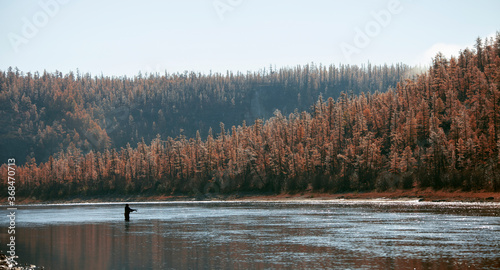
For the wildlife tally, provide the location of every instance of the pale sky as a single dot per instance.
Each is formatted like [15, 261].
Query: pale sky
[122, 37]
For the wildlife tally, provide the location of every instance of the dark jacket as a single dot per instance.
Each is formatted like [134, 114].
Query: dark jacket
[127, 212]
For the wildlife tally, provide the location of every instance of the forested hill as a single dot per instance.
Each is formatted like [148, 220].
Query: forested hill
[440, 130]
[43, 114]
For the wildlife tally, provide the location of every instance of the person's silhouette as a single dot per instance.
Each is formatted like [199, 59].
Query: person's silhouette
[127, 212]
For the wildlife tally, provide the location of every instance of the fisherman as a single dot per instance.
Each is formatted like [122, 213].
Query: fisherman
[127, 212]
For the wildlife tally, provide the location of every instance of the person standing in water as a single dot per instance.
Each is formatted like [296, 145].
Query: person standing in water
[127, 212]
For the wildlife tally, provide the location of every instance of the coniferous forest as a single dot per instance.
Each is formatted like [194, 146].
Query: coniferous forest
[48, 112]
[325, 128]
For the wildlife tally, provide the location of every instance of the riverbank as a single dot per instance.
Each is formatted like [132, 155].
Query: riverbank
[412, 194]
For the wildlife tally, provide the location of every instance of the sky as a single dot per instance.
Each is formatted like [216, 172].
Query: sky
[122, 37]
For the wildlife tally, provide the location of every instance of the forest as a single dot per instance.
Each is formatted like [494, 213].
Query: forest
[355, 129]
[42, 114]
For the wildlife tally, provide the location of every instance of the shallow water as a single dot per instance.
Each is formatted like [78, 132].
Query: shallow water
[260, 235]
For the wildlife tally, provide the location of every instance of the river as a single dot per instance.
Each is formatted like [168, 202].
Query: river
[339, 234]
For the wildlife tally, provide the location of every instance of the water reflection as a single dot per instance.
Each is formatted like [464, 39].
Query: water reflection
[257, 236]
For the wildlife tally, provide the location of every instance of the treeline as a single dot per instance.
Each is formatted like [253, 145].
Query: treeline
[42, 114]
[440, 130]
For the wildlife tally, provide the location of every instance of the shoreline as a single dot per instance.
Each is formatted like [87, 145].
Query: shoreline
[427, 195]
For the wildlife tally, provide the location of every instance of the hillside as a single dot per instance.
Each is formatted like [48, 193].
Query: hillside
[43, 114]
[439, 130]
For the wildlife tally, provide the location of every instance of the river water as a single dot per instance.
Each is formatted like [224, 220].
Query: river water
[259, 235]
